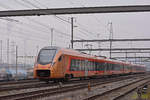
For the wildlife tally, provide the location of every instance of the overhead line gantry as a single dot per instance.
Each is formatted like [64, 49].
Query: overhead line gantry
[113, 49]
[76, 10]
[113, 40]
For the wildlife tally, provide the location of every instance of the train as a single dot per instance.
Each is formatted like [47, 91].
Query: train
[10, 74]
[5, 75]
[55, 63]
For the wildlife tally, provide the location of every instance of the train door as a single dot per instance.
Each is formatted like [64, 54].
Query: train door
[63, 64]
[60, 69]
[108, 68]
[86, 65]
[105, 68]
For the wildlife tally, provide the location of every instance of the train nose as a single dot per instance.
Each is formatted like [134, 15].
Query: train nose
[43, 73]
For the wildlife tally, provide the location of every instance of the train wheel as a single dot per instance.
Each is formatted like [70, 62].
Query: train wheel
[67, 77]
[81, 78]
[47, 82]
[55, 80]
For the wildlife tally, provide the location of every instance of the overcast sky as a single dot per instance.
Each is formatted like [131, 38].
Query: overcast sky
[31, 33]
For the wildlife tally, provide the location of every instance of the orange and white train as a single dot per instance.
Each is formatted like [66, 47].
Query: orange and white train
[55, 63]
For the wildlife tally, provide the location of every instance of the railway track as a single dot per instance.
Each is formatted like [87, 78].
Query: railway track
[23, 86]
[59, 89]
[117, 92]
[35, 84]
[17, 82]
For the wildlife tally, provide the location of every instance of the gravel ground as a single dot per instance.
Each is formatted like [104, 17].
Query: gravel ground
[18, 85]
[31, 89]
[82, 94]
[133, 95]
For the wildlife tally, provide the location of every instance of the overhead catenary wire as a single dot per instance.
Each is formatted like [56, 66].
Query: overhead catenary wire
[20, 35]
[24, 33]
[54, 15]
[23, 4]
[24, 36]
[6, 7]
[30, 3]
[26, 1]
[18, 22]
[97, 19]
[57, 16]
[43, 24]
[31, 20]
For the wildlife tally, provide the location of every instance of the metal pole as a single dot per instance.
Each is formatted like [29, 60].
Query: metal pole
[52, 36]
[8, 53]
[126, 55]
[99, 45]
[111, 37]
[135, 58]
[72, 32]
[24, 54]
[1, 51]
[37, 47]
[16, 60]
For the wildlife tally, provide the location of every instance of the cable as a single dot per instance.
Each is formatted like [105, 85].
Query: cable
[8, 19]
[4, 6]
[55, 15]
[97, 20]
[40, 3]
[22, 3]
[28, 2]
[39, 22]
[25, 33]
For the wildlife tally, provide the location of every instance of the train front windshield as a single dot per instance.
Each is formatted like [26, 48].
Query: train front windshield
[46, 56]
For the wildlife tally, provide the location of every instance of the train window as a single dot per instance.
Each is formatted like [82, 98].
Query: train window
[83, 65]
[104, 66]
[46, 56]
[94, 66]
[89, 65]
[109, 66]
[116, 67]
[121, 67]
[113, 66]
[91, 68]
[59, 59]
[86, 65]
[73, 66]
[100, 66]
[78, 65]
